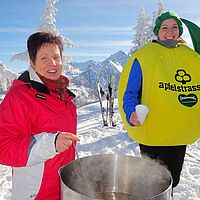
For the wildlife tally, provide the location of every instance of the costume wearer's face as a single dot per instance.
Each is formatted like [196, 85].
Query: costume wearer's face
[169, 30]
[48, 61]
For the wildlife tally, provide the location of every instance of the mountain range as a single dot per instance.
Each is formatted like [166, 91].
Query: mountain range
[83, 76]
[91, 72]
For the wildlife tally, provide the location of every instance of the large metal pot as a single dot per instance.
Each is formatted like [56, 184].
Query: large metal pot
[115, 177]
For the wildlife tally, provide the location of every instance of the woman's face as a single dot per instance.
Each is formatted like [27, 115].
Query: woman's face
[48, 61]
[169, 30]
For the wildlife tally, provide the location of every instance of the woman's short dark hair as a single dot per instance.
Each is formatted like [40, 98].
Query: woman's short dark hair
[38, 39]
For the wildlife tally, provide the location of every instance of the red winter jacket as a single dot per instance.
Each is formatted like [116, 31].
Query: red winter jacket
[29, 117]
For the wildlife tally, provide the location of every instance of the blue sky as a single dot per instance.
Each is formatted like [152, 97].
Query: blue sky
[98, 28]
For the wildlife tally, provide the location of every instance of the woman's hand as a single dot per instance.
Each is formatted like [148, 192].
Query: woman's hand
[64, 140]
[134, 119]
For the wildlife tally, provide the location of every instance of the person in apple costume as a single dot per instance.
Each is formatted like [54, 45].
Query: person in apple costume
[164, 75]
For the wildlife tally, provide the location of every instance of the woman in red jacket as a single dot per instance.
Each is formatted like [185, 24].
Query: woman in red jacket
[38, 122]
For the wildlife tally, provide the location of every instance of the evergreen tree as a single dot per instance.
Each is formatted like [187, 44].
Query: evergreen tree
[48, 18]
[8, 84]
[144, 28]
[141, 35]
[48, 24]
[161, 8]
[6, 77]
[2, 75]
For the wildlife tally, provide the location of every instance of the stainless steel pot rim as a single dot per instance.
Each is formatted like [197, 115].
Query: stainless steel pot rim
[116, 157]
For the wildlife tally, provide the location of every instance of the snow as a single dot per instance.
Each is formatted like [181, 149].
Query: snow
[96, 139]
[117, 65]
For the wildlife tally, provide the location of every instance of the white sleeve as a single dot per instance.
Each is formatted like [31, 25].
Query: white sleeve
[42, 149]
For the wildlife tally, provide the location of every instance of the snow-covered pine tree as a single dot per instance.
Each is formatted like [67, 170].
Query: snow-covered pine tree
[2, 77]
[144, 28]
[48, 18]
[142, 31]
[161, 8]
[8, 84]
[48, 24]
[6, 78]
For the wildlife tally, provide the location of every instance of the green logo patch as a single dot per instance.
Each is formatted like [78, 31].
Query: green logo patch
[188, 100]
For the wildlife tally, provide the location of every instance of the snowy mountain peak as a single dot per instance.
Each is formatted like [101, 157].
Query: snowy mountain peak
[83, 66]
[118, 57]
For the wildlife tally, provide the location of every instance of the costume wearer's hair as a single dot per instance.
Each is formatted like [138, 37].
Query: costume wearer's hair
[168, 15]
[38, 39]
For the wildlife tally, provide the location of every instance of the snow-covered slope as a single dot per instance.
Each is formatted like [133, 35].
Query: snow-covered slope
[96, 139]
